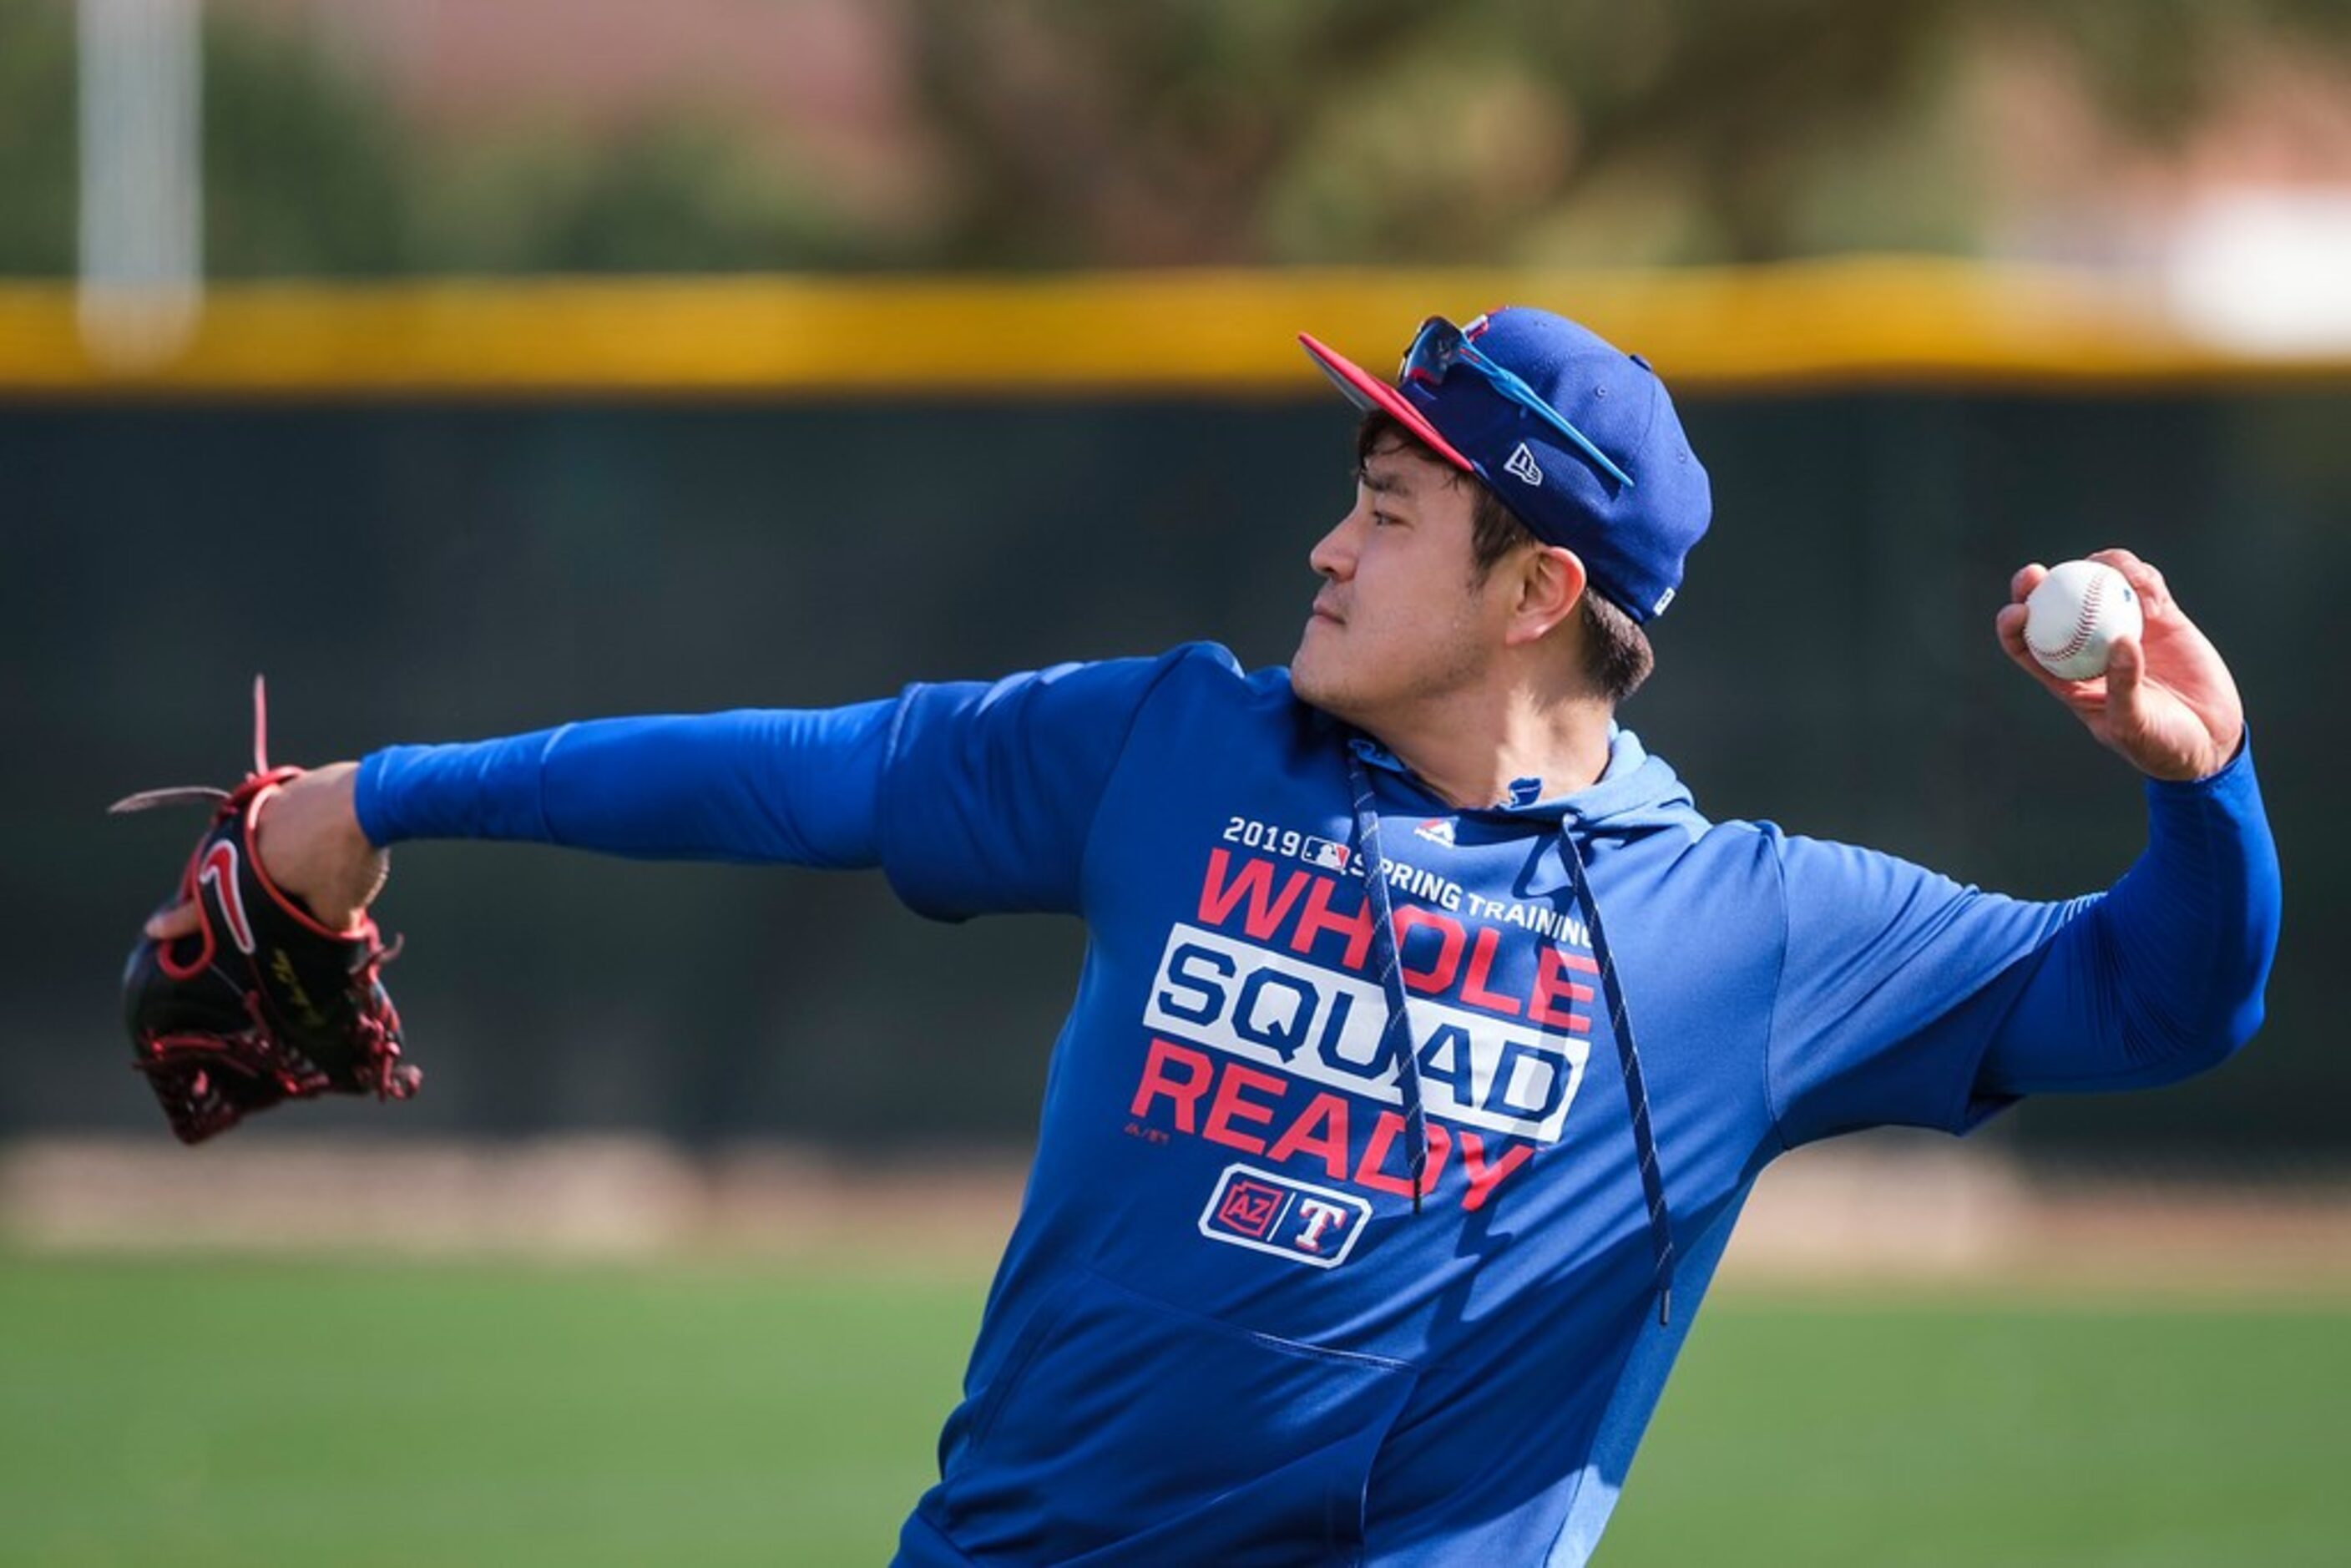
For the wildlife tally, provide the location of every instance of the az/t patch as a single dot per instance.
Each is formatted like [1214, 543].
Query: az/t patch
[1292, 1220]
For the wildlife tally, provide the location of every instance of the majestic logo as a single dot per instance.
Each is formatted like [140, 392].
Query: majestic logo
[220, 870]
[1294, 1219]
[1437, 831]
[1521, 466]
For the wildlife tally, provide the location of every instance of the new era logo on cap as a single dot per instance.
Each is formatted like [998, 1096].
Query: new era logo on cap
[1521, 466]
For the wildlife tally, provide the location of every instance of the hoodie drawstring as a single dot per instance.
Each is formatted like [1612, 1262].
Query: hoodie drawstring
[1395, 1037]
[1396, 1043]
[1636, 1092]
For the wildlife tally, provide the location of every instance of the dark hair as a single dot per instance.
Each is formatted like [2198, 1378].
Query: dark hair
[1616, 653]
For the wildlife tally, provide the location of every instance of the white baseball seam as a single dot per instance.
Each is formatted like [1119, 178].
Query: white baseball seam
[2083, 624]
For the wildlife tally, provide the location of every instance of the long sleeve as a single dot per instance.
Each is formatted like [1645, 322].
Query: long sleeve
[974, 796]
[2164, 975]
[1908, 998]
[798, 786]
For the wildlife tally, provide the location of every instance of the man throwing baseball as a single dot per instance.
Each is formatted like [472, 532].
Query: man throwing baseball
[1429, 1038]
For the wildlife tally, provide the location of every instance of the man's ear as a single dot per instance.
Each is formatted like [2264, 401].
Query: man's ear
[1550, 585]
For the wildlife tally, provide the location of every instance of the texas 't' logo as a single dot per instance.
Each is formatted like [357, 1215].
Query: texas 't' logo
[219, 868]
[1295, 1220]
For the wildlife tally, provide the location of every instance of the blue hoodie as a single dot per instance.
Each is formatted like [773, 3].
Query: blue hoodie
[1220, 1334]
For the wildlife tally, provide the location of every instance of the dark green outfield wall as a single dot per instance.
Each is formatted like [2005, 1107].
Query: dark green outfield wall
[422, 572]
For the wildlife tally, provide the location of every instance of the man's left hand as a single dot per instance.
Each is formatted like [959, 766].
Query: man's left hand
[2167, 702]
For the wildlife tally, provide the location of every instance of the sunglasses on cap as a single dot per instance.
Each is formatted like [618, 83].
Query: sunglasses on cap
[1440, 348]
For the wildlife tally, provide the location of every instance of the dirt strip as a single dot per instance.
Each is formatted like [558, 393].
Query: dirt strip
[1895, 1214]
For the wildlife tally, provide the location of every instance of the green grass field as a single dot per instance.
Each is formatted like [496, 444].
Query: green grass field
[288, 1411]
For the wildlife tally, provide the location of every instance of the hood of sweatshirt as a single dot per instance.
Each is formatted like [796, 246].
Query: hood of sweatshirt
[1635, 794]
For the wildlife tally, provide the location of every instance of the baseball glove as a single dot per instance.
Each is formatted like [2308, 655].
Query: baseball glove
[262, 1003]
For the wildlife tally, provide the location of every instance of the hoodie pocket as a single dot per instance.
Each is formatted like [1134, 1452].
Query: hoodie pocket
[1125, 1431]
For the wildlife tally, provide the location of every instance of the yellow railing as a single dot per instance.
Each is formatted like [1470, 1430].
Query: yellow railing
[1853, 322]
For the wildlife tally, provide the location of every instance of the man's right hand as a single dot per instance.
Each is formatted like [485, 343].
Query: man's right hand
[310, 846]
[2167, 703]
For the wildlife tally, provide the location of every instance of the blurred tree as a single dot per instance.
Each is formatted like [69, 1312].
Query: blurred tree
[2157, 65]
[305, 167]
[37, 138]
[309, 171]
[1216, 131]
[681, 195]
[1071, 132]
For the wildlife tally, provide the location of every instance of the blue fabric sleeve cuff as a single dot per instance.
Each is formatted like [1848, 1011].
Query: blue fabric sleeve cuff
[489, 789]
[366, 803]
[2232, 775]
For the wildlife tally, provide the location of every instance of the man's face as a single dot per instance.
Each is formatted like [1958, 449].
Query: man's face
[1401, 622]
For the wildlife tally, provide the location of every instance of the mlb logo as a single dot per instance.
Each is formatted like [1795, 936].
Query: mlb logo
[1323, 852]
[1267, 1212]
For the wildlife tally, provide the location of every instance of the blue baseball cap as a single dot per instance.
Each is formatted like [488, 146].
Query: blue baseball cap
[1577, 437]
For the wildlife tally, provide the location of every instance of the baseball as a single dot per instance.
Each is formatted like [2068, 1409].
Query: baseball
[2072, 618]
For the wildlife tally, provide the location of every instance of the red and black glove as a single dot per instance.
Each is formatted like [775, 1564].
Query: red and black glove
[262, 1003]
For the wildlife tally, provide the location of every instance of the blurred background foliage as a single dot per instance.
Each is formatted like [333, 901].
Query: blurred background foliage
[1066, 133]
